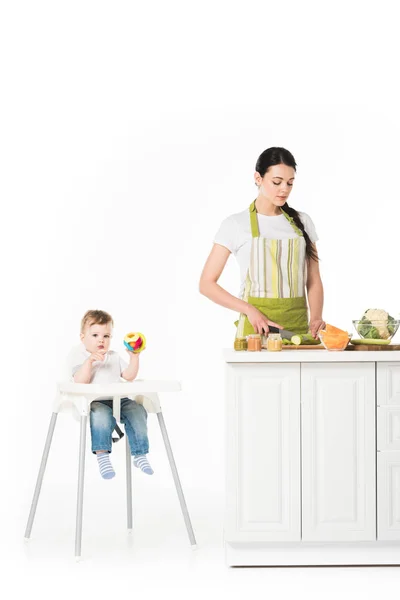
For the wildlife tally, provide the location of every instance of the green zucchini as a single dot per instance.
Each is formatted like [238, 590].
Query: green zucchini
[304, 340]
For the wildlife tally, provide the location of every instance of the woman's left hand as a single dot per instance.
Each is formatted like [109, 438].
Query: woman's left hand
[315, 326]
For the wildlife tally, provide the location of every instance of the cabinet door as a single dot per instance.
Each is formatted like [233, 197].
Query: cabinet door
[263, 452]
[388, 383]
[388, 495]
[338, 451]
[388, 428]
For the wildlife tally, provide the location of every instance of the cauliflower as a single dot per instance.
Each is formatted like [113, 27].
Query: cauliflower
[380, 315]
[376, 314]
[376, 323]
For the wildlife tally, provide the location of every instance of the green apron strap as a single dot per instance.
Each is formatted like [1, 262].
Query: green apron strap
[255, 232]
[253, 220]
[293, 224]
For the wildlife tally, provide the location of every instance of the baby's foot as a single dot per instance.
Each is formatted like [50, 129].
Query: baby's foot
[105, 466]
[143, 464]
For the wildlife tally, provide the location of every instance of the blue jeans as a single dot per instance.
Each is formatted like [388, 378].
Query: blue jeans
[102, 423]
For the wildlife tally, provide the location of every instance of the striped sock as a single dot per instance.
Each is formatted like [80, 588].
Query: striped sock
[143, 464]
[105, 466]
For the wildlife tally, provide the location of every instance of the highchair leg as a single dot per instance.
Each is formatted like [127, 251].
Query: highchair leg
[175, 475]
[81, 475]
[128, 485]
[40, 475]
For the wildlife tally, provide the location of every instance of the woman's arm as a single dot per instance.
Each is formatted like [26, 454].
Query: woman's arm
[315, 295]
[209, 287]
[208, 281]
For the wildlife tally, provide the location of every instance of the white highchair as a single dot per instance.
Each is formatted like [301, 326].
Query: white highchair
[80, 395]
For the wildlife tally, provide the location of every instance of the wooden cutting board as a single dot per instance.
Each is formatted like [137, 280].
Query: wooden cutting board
[304, 347]
[373, 347]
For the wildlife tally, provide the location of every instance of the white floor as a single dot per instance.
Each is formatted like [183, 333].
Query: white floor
[156, 559]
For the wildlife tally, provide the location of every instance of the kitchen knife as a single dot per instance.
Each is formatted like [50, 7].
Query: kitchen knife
[284, 332]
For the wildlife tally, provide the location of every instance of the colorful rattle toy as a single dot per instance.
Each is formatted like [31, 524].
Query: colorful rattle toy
[135, 342]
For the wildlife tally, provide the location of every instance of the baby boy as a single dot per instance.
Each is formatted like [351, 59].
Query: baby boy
[94, 362]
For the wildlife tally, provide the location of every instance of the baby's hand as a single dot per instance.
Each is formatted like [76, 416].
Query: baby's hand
[96, 356]
[133, 355]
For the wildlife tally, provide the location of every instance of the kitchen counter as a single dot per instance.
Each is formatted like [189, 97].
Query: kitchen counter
[234, 356]
[312, 457]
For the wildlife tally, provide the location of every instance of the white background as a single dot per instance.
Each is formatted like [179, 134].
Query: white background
[130, 131]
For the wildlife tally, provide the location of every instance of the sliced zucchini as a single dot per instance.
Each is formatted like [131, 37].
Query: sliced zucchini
[304, 340]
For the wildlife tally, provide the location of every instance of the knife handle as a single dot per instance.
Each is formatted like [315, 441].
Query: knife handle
[273, 329]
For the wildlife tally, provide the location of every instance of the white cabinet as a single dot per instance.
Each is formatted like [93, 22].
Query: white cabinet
[388, 383]
[338, 452]
[317, 420]
[388, 426]
[388, 495]
[312, 458]
[263, 453]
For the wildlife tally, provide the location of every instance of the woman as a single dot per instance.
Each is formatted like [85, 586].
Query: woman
[275, 247]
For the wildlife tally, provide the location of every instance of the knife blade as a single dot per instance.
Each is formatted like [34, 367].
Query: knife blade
[285, 333]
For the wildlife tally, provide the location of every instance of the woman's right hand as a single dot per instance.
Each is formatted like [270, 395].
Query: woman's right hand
[259, 321]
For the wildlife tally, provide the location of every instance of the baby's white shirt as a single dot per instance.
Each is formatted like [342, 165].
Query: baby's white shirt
[107, 371]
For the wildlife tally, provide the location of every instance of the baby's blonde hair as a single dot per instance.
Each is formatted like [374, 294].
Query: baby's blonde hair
[95, 317]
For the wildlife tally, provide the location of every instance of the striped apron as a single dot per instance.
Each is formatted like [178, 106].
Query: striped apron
[275, 281]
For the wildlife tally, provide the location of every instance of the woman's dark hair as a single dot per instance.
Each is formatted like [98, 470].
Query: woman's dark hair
[278, 156]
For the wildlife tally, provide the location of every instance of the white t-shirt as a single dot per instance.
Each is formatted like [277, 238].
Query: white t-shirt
[235, 234]
[107, 371]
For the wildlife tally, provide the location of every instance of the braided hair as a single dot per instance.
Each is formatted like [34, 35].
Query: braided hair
[277, 156]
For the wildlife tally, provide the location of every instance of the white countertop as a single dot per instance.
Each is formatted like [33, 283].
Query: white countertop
[234, 356]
